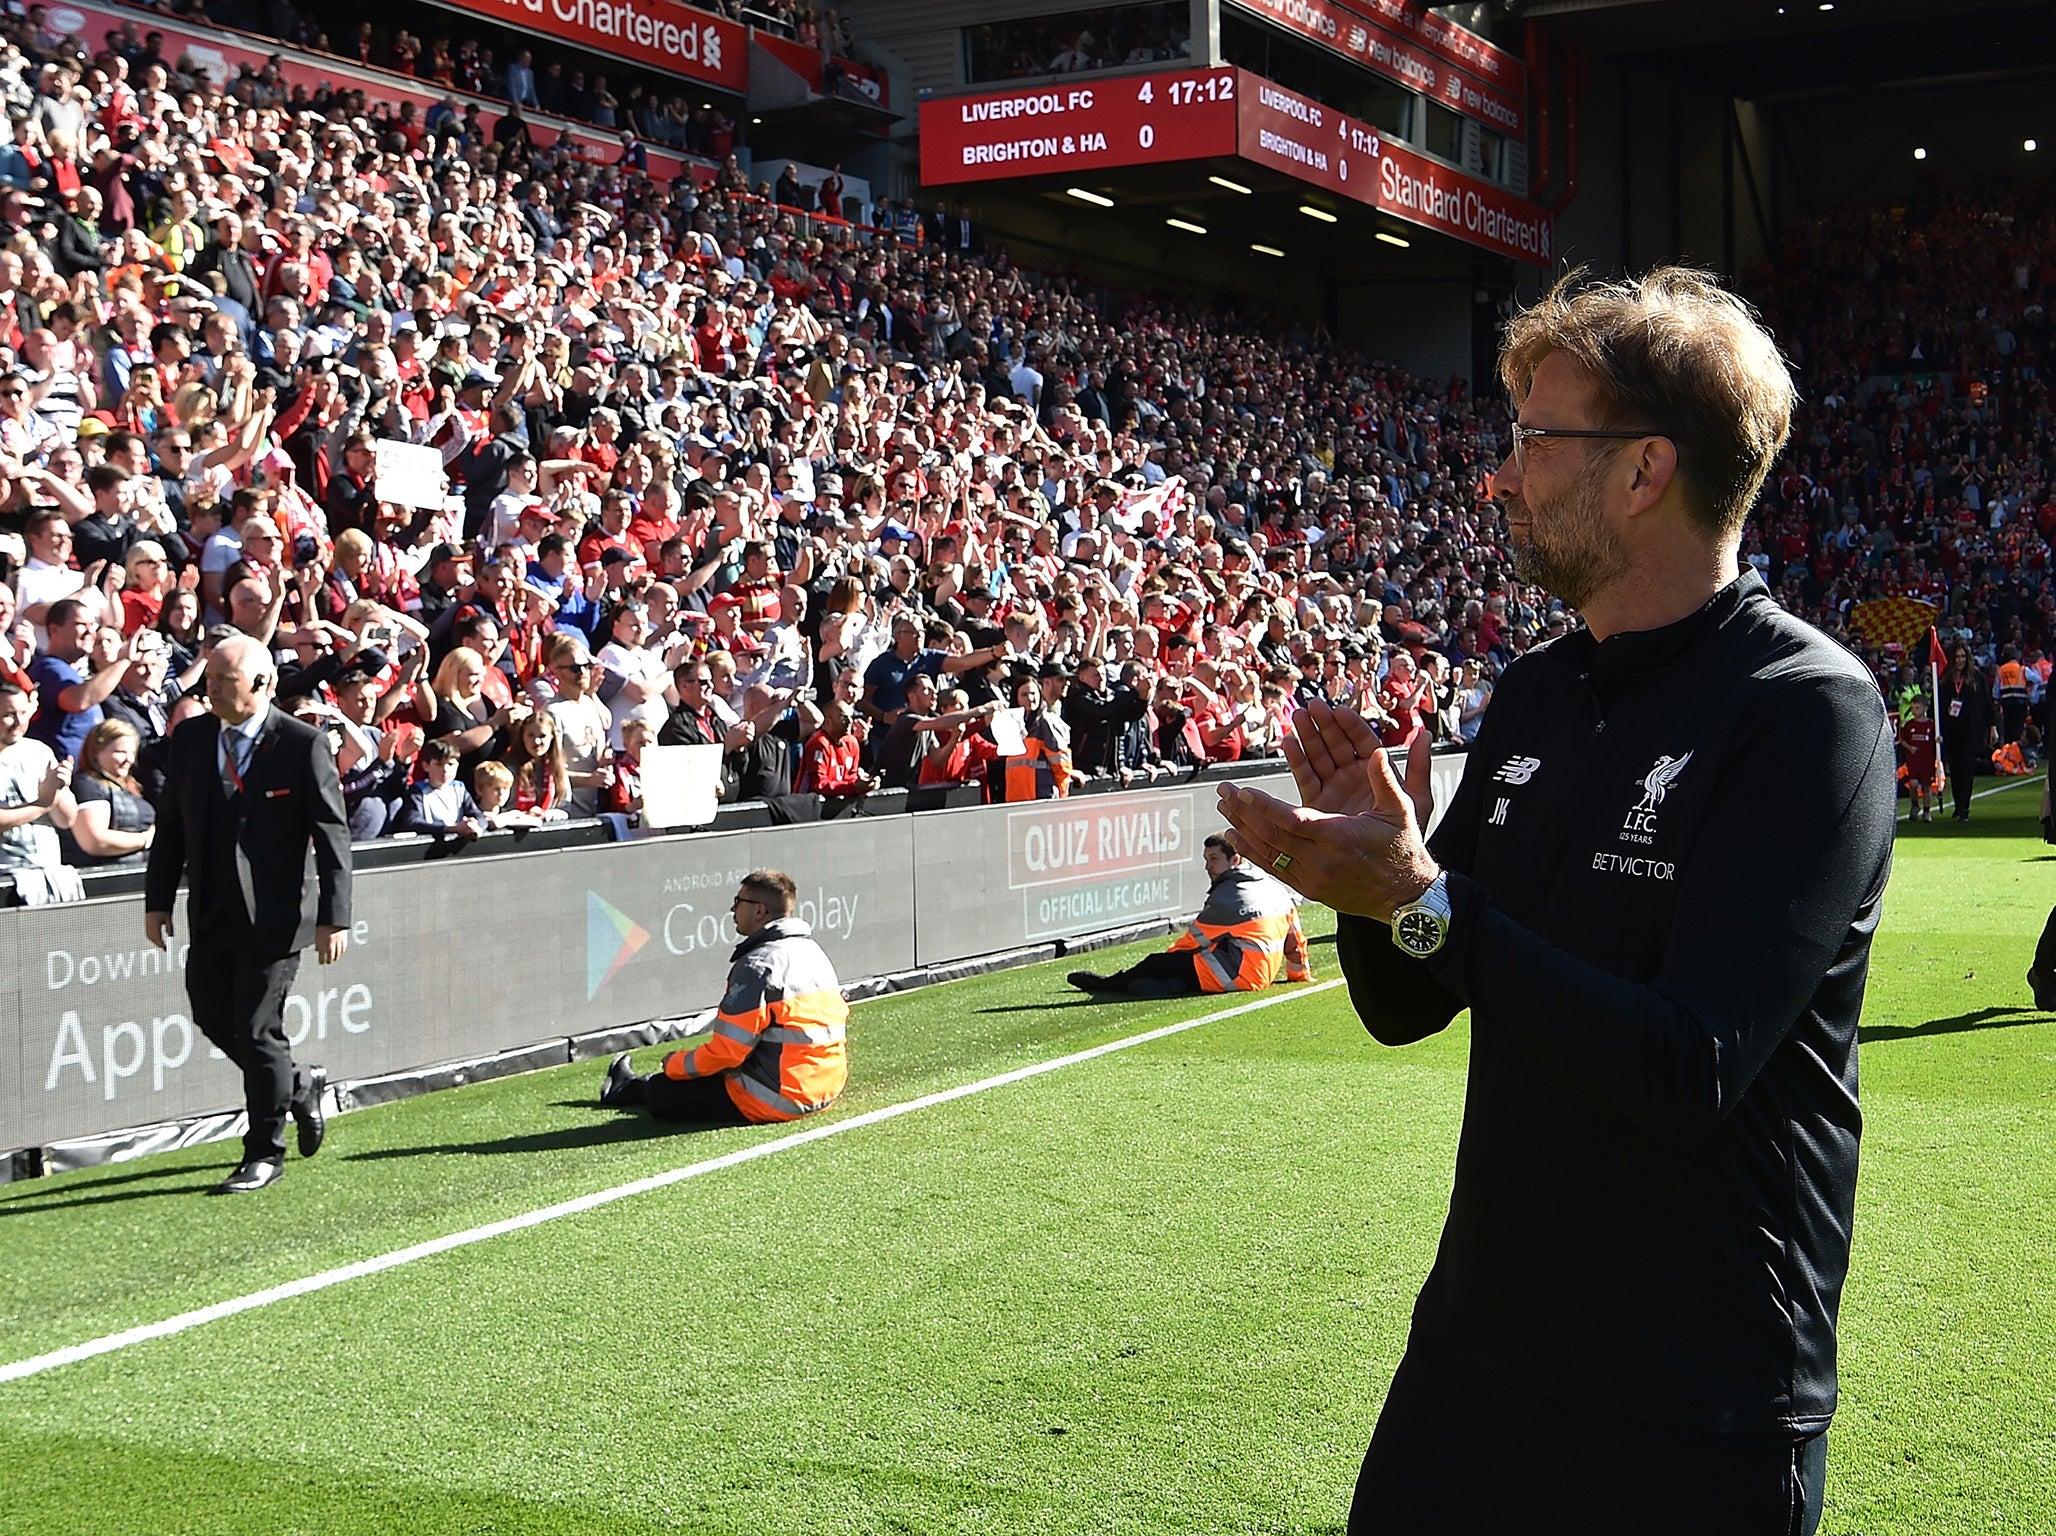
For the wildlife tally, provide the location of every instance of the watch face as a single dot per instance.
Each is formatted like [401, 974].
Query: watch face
[1418, 932]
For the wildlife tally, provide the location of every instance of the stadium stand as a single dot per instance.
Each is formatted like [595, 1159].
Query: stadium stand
[703, 434]
[719, 463]
[1919, 465]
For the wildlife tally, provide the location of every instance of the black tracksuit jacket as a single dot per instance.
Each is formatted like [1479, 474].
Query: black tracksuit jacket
[1666, 861]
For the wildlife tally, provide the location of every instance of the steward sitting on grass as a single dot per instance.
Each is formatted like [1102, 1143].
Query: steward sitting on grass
[1245, 934]
[778, 1049]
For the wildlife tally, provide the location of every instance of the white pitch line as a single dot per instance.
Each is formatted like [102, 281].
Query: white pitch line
[71, 1354]
[1996, 789]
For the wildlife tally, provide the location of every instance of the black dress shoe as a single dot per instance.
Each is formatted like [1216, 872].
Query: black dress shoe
[620, 1073]
[255, 1175]
[2044, 988]
[308, 1113]
[1092, 981]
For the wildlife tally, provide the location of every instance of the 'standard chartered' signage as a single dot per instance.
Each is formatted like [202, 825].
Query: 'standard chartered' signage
[1312, 142]
[658, 34]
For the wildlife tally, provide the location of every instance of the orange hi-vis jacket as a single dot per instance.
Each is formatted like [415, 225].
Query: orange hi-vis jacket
[1245, 934]
[1042, 772]
[780, 1035]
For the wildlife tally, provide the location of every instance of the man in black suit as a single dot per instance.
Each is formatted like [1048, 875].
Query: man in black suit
[248, 793]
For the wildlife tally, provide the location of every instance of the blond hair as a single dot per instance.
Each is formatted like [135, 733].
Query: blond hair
[1677, 354]
[98, 740]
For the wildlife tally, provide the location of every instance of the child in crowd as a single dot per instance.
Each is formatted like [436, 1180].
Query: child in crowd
[624, 791]
[440, 802]
[492, 786]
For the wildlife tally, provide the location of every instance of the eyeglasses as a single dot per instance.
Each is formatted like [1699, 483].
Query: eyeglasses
[1523, 435]
[746, 901]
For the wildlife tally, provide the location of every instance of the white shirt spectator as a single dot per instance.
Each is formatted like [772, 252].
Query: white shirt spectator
[222, 550]
[41, 582]
[584, 726]
[503, 526]
[629, 665]
[33, 843]
[60, 407]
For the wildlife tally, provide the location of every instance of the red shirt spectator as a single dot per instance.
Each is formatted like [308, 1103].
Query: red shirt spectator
[831, 762]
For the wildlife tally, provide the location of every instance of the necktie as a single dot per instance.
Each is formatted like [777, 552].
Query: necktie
[231, 771]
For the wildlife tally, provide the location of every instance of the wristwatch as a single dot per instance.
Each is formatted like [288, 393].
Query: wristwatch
[1421, 926]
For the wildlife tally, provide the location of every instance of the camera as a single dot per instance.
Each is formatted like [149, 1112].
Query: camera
[306, 549]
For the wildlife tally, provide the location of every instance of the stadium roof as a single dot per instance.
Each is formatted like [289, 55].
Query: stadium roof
[1759, 49]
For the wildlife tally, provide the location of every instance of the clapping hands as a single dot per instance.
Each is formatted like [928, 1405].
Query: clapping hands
[1355, 840]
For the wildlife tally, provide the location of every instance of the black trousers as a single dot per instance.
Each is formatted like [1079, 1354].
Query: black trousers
[689, 1101]
[2045, 951]
[1453, 1457]
[1963, 770]
[1167, 974]
[239, 1003]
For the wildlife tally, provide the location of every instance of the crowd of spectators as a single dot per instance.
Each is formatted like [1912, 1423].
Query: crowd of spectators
[1922, 454]
[862, 509]
[1105, 37]
[647, 105]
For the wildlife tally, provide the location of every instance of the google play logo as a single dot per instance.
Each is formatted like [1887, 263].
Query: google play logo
[612, 938]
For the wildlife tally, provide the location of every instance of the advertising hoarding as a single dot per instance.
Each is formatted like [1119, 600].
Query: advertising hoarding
[657, 34]
[1342, 27]
[448, 961]
[460, 959]
[1300, 137]
[1448, 41]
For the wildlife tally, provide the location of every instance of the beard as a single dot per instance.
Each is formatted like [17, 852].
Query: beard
[1568, 550]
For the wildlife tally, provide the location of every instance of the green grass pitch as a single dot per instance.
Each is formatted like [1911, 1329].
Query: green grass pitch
[1159, 1291]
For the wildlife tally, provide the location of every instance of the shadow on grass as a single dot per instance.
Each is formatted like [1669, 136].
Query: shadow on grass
[1959, 1024]
[94, 1195]
[38, 1196]
[1070, 1002]
[617, 1128]
[39, 1188]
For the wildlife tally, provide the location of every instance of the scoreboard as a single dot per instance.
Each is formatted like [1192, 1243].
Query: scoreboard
[1097, 125]
[1162, 117]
